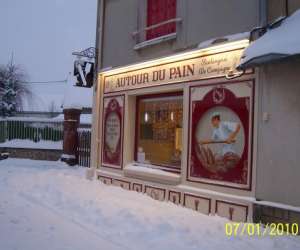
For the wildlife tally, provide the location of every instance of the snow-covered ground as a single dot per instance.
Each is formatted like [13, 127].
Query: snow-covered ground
[47, 205]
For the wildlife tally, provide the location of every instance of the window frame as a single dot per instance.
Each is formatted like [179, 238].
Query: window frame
[169, 168]
[139, 35]
[151, 32]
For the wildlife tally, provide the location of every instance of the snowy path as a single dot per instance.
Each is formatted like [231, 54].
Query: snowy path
[46, 205]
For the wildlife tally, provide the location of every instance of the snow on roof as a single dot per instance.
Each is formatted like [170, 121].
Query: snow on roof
[59, 118]
[84, 118]
[224, 39]
[276, 43]
[78, 97]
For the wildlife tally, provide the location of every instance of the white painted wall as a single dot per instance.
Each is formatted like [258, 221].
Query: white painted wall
[278, 167]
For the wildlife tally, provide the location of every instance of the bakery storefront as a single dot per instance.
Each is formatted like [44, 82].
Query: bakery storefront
[180, 129]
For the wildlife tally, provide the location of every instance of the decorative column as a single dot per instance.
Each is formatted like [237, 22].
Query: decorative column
[70, 144]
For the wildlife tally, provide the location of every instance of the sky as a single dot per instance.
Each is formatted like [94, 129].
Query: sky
[42, 34]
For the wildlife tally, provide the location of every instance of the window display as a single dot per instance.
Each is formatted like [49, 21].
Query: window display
[159, 130]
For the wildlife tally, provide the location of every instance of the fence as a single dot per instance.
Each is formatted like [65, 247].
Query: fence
[84, 147]
[3, 131]
[33, 130]
[41, 130]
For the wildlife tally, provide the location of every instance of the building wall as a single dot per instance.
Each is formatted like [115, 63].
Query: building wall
[278, 171]
[277, 8]
[293, 6]
[201, 20]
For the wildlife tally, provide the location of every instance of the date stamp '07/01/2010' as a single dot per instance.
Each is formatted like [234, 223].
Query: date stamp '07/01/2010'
[257, 229]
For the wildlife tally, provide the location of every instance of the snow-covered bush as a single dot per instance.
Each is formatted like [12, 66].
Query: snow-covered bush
[13, 89]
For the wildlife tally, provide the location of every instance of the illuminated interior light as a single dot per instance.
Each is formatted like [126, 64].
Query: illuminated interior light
[146, 117]
[172, 116]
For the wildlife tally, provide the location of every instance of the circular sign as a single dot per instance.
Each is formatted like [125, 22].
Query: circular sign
[215, 152]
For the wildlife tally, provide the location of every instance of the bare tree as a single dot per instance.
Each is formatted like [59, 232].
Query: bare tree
[13, 89]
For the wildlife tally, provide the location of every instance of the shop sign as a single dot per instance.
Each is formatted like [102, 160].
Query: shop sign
[202, 67]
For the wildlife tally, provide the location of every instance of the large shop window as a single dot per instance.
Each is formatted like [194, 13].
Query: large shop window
[159, 130]
[159, 11]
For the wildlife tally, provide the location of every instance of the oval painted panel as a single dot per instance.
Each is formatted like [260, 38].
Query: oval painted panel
[112, 132]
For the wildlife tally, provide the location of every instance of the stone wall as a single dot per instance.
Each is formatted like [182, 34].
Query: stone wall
[35, 154]
[267, 215]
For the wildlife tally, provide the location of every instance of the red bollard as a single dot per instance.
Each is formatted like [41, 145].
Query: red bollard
[70, 143]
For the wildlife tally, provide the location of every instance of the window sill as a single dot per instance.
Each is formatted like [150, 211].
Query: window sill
[148, 173]
[154, 41]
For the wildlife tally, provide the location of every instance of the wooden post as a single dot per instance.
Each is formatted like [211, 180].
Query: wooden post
[70, 144]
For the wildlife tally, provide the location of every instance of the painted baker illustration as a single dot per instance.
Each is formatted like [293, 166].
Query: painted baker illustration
[224, 133]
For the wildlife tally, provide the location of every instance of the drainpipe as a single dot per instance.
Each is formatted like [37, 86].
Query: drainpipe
[287, 12]
[95, 143]
[263, 13]
[99, 33]
[263, 22]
